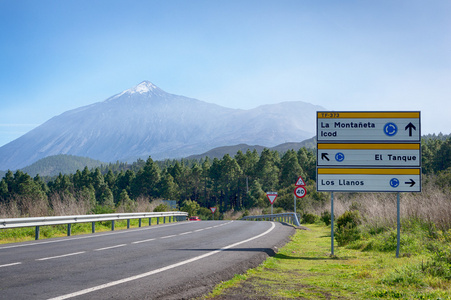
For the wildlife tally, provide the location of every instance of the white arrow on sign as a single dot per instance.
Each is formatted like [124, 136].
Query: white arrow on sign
[271, 197]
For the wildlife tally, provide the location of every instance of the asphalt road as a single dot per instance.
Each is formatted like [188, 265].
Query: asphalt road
[171, 261]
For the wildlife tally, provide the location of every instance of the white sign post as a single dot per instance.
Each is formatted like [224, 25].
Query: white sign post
[368, 152]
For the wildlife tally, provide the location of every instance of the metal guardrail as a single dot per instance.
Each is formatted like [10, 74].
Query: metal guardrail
[60, 220]
[284, 217]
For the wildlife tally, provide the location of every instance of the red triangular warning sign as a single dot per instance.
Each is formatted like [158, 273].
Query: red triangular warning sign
[300, 182]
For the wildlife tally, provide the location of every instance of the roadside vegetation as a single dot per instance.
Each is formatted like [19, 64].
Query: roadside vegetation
[304, 268]
[234, 185]
[364, 265]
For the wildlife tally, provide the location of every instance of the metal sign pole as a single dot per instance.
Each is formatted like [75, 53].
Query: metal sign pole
[294, 203]
[398, 221]
[332, 223]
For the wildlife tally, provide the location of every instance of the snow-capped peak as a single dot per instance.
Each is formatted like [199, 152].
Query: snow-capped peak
[143, 87]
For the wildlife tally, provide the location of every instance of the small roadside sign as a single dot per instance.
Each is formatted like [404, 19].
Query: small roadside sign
[213, 209]
[300, 182]
[300, 191]
[271, 196]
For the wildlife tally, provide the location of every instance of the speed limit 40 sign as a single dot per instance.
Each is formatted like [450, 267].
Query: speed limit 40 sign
[300, 191]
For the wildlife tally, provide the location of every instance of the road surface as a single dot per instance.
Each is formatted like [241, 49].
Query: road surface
[170, 261]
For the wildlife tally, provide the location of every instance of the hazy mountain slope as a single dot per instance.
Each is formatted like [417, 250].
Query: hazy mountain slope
[146, 120]
[219, 152]
[64, 164]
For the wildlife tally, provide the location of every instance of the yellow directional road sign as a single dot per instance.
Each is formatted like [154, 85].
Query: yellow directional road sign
[368, 126]
[369, 179]
[377, 155]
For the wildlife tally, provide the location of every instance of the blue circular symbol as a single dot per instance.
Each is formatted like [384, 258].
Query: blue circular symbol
[390, 129]
[394, 182]
[339, 157]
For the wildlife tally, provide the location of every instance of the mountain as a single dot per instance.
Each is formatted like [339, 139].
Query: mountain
[69, 164]
[62, 163]
[219, 152]
[147, 121]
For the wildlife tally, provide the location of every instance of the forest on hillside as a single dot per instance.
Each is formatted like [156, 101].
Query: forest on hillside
[236, 183]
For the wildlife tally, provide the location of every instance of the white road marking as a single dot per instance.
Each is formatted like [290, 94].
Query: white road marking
[61, 256]
[169, 236]
[8, 265]
[139, 276]
[143, 241]
[183, 233]
[111, 247]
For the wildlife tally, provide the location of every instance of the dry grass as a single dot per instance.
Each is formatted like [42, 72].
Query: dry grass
[380, 209]
[233, 215]
[66, 205]
[25, 207]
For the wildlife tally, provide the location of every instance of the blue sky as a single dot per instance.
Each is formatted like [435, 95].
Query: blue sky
[342, 55]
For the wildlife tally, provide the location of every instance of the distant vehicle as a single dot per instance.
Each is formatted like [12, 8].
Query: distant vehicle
[194, 218]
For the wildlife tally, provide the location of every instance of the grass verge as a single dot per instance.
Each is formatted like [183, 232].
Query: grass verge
[304, 269]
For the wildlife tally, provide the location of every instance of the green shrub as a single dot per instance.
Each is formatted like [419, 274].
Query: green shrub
[347, 228]
[308, 218]
[101, 209]
[405, 276]
[326, 217]
[205, 213]
[440, 262]
[161, 208]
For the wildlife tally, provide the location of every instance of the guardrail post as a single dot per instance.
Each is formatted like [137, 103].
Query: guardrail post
[36, 233]
[128, 223]
[112, 225]
[164, 220]
[93, 226]
[69, 229]
[139, 222]
[158, 220]
[150, 221]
